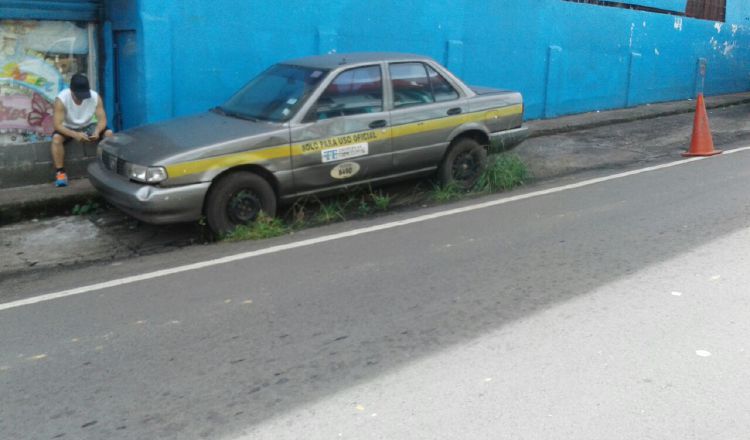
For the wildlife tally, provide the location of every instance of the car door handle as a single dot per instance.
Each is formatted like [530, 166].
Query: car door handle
[380, 123]
[455, 111]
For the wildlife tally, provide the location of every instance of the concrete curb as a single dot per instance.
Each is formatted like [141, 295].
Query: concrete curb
[566, 124]
[39, 201]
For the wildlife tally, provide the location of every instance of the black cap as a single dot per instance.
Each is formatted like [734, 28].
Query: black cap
[79, 85]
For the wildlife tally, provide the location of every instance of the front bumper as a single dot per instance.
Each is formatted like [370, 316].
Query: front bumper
[149, 203]
[507, 139]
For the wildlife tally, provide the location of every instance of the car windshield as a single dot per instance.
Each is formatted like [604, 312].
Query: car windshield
[274, 95]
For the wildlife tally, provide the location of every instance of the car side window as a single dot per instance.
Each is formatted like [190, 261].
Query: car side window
[442, 90]
[353, 92]
[411, 85]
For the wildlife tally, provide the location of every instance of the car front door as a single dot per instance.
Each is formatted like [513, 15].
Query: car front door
[345, 137]
[426, 109]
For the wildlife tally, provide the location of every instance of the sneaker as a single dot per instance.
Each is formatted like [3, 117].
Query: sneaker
[61, 179]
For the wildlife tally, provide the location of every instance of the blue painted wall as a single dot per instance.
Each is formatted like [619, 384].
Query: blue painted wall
[565, 57]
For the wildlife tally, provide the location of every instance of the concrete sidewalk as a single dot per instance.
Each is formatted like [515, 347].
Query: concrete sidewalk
[546, 127]
[45, 200]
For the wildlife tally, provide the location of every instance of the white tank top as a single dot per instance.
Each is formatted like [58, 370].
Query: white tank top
[78, 116]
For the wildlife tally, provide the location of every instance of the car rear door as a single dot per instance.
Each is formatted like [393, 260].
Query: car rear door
[346, 135]
[426, 109]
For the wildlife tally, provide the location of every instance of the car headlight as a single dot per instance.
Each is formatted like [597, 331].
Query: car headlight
[145, 174]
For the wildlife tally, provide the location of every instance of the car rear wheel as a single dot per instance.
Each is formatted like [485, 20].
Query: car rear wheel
[238, 199]
[464, 163]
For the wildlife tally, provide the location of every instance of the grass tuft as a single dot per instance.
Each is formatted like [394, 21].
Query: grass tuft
[442, 194]
[89, 207]
[364, 208]
[503, 172]
[380, 200]
[263, 227]
[330, 212]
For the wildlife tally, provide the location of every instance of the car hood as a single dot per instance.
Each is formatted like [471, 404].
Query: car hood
[192, 138]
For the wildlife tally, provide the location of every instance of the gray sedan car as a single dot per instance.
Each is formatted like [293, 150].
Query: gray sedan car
[308, 126]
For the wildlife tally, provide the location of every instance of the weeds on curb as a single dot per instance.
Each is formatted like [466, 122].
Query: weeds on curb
[352, 200]
[364, 208]
[263, 227]
[297, 215]
[447, 193]
[380, 200]
[87, 208]
[503, 172]
[330, 212]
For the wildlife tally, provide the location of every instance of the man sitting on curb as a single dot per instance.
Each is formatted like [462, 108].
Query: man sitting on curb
[79, 115]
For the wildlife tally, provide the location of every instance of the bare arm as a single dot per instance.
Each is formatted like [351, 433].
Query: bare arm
[59, 118]
[101, 120]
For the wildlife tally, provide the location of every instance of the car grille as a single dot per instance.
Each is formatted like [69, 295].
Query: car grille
[113, 163]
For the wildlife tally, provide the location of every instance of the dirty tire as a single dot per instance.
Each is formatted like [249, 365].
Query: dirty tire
[464, 163]
[237, 199]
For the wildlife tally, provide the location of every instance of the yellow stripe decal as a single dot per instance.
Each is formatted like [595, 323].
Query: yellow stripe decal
[227, 161]
[315, 146]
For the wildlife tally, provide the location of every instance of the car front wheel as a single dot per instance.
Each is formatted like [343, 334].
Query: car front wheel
[238, 199]
[463, 164]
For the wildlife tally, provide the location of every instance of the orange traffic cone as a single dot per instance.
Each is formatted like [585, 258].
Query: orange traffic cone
[702, 143]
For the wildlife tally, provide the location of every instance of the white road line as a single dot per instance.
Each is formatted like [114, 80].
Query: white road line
[341, 235]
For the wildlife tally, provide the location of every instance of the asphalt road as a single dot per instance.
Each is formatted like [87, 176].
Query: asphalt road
[615, 310]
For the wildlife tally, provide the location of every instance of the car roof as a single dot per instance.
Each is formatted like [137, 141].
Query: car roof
[332, 61]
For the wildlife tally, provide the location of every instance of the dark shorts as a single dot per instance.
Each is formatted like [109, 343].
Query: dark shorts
[89, 130]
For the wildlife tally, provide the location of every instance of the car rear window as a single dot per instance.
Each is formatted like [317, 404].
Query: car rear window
[417, 83]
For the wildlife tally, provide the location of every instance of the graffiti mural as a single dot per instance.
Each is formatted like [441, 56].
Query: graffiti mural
[37, 59]
[26, 114]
